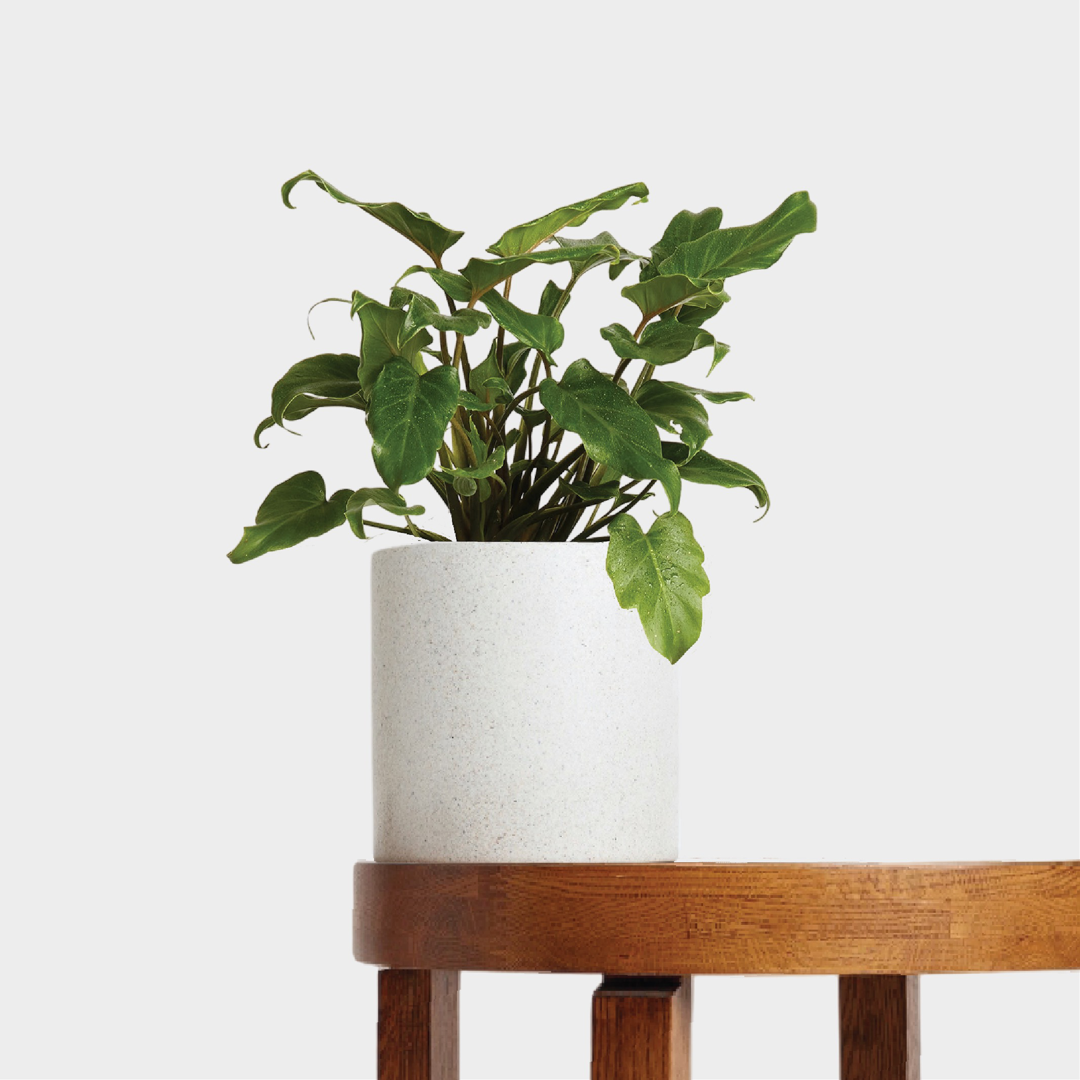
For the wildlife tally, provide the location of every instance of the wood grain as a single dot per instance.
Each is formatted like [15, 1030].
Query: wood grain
[879, 1027]
[418, 1025]
[716, 918]
[641, 1028]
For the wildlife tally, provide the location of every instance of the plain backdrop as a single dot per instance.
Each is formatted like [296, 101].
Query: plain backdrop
[888, 668]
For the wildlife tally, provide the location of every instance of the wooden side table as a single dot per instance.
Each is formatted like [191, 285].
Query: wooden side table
[649, 928]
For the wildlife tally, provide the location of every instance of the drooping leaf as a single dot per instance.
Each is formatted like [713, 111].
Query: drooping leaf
[727, 252]
[540, 332]
[328, 375]
[550, 297]
[720, 350]
[385, 337]
[661, 573]
[471, 403]
[523, 238]
[658, 294]
[683, 227]
[295, 510]
[675, 410]
[426, 233]
[382, 497]
[423, 312]
[407, 419]
[661, 342]
[703, 468]
[716, 397]
[698, 309]
[615, 429]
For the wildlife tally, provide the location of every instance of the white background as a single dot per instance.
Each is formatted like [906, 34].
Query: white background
[888, 665]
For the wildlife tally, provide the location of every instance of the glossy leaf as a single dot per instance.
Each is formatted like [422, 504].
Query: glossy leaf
[661, 342]
[540, 332]
[295, 510]
[488, 467]
[658, 294]
[385, 337]
[616, 430]
[661, 573]
[426, 233]
[454, 285]
[485, 274]
[683, 227]
[381, 497]
[423, 312]
[727, 252]
[703, 468]
[675, 410]
[408, 417]
[523, 238]
[596, 251]
[471, 403]
[328, 375]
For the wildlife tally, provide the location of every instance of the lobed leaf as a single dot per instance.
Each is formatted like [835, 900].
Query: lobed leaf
[423, 312]
[541, 332]
[385, 336]
[661, 342]
[408, 417]
[615, 429]
[295, 510]
[727, 252]
[661, 573]
[426, 233]
[682, 228]
[523, 238]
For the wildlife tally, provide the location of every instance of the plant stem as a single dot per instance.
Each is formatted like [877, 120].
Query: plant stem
[423, 534]
[608, 518]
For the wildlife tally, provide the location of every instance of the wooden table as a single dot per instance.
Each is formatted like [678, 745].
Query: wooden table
[649, 928]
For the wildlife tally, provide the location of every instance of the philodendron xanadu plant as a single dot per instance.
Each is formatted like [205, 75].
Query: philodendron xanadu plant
[515, 448]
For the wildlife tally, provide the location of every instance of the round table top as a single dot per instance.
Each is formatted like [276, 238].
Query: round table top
[719, 918]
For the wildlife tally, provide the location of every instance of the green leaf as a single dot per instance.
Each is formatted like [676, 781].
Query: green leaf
[486, 380]
[523, 238]
[698, 309]
[550, 297]
[328, 375]
[703, 468]
[293, 511]
[471, 403]
[383, 497]
[720, 350]
[661, 342]
[540, 332]
[683, 227]
[465, 485]
[661, 573]
[485, 274]
[408, 417]
[425, 312]
[488, 467]
[717, 398]
[615, 429]
[426, 233]
[385, 336]
[727, 252]
[589, 493]
[600, 249]
[669, 405]
[300, 407]
[454, 285]
[660, 293]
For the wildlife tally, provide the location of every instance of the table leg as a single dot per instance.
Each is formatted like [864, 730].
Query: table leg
[641, 1028]
[879, 1027]
[418, 1024]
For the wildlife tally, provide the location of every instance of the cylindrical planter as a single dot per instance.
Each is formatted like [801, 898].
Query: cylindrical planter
[519, 714]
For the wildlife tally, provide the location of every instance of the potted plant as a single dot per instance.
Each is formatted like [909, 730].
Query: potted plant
[519, 712]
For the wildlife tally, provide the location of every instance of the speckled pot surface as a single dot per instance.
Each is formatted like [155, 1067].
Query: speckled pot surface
[519, 714]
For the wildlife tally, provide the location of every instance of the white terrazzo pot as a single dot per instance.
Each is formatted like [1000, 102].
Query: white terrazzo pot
[519, 714]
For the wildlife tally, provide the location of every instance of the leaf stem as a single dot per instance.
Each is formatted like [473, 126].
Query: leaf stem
[422, 534]
[608, 518]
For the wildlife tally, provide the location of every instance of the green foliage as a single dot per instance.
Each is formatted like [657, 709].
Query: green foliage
[512, 452]
[661, 573]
